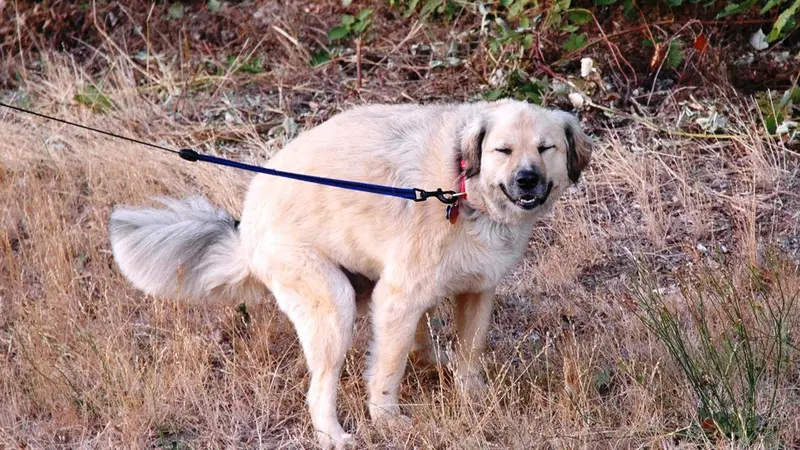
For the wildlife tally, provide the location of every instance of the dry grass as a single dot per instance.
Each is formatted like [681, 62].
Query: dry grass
[91, 363]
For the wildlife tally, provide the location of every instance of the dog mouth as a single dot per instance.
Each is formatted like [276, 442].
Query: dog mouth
[528, 201]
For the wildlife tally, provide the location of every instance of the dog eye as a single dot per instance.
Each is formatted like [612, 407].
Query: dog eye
[543, 149]
[505, 151]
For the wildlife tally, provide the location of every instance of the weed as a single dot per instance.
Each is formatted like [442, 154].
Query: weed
[351, 26]
[94, 99]
[730, 341]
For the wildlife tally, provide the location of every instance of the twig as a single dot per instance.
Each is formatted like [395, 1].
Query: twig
[358, 63]
[294, 41]
[19, 40]
[663, 129]
[614, 51]
[415, 28]
[593, 42]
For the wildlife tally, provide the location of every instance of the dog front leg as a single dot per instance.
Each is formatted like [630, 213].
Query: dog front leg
[395, 315]
[473, 315]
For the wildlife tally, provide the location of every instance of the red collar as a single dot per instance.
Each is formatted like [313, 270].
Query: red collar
[453, 211]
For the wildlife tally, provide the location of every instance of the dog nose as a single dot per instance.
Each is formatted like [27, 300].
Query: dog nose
[527, 179]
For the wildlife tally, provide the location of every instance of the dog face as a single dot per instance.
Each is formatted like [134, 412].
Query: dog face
[520, 157]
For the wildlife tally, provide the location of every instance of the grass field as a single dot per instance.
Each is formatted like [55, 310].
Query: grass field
[705, 227]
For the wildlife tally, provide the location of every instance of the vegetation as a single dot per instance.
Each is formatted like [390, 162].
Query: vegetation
[656, 306]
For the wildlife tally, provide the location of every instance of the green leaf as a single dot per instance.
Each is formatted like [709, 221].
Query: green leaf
[363, 14]
[253, 65]
[412, 5]
[516, 8]
[629, 8]
[347, 20]
[736, 8]
[320, 58]
[579, 17]
[782, 21]
[525, 22]
[604, 2]
[675, 2]
[527, 41]
[361, 26]
[430, 6]
[214, 5]
[337, 33]
[570, 28]
[94, 99]
[176, 10]
[574, 42]
[494, 94]
[674, 54]
[770, 4]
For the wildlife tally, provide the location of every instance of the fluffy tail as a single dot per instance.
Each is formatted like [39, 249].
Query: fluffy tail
[189, 250]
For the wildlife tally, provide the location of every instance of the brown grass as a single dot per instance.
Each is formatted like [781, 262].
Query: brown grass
[88, 362]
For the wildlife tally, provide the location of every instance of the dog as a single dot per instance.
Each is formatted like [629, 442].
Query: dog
[323, 251]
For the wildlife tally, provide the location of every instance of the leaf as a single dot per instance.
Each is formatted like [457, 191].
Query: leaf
[337, 33]
[214, 5]
[579, 17]
[430, 6]
[674, 54]
[176, 10]
[770, 4]
[361, 26]
[604, 2]
[527, 41]
[570, 28]
[782, 20]
[736, 8]
[347, 20]
[94, 99]
[412, 5]
[758, 40]
[364, 14]
[320, 58]
[494, 94]
[253, 65]
[574, 42]
[701, 43]
[516, 8]
[629, 8]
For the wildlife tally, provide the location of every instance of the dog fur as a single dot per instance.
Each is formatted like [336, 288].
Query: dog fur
[319, 249]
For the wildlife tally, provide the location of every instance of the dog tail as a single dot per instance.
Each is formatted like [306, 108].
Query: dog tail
[189, 250]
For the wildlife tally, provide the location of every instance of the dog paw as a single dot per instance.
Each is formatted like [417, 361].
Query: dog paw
[335, 440]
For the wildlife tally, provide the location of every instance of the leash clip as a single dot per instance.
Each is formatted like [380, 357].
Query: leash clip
[446, 197]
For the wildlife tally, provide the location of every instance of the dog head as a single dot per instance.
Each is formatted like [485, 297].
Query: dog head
[520, 157]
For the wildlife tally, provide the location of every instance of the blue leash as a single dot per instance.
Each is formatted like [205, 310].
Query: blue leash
[415, 194]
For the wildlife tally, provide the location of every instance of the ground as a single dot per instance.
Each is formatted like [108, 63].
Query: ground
[673, 195]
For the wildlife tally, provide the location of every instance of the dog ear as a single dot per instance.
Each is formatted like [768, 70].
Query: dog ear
[579, 147]
[471, 143]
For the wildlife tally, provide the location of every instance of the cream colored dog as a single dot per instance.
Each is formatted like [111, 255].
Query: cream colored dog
[317, 248]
